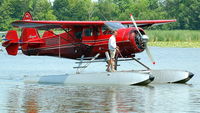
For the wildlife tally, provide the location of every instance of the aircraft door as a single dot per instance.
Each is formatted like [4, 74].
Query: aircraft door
[89, 35]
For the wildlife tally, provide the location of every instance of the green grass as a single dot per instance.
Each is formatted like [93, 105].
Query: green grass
[174, 38]
[174, 35]
[175, 44]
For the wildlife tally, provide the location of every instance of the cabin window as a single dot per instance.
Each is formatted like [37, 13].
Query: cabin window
[96, 31]
[78, 35]
[88, 32]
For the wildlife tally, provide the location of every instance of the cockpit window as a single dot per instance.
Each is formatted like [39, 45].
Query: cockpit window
[106, 30]
[114, 25]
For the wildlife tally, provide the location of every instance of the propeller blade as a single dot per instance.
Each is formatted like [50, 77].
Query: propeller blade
[134, 23]
[149, 55]
[145, 38]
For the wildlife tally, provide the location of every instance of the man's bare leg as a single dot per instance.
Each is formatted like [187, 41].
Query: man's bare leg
[113, 65]
[109, 66]
[108, 69]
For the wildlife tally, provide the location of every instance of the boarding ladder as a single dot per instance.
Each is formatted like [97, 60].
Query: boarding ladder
[83, 65]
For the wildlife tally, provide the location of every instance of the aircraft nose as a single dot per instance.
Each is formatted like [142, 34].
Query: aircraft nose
[145, 38]
[191, 75]
[151, 78]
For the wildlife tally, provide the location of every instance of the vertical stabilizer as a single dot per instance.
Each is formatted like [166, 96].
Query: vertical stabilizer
[28, 33]
[27, 16]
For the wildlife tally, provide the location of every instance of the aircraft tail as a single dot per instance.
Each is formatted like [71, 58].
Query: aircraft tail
[11, 42]
[28, 33]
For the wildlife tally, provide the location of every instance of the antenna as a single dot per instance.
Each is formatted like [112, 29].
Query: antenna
[103, 16]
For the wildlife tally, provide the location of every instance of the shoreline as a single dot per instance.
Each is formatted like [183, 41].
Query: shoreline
[178, 44]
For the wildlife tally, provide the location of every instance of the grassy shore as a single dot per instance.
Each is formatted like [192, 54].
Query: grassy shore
[175, 44]
[174, 38]
[174, 35]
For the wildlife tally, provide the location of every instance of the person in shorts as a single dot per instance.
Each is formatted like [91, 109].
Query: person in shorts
[112, 46]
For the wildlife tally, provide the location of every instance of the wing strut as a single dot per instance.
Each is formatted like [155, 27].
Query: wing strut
[60, 37]
[68, 33]
[141, 63]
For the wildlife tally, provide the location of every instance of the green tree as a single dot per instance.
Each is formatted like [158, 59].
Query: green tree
[5, 12]
[185, 11]
[91, 11]
[42, 10]
[11, 10]
[141, 9]
[72, 9]
[106, 10]
[20, 7]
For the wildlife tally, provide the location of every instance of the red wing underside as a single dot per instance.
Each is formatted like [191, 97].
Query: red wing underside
[44, 25]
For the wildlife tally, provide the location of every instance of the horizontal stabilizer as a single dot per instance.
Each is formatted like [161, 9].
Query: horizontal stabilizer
[12, 42]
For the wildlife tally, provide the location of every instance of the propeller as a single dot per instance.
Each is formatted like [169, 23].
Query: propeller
[145, 39]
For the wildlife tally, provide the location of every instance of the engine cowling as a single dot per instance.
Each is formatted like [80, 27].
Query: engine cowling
[136, 42]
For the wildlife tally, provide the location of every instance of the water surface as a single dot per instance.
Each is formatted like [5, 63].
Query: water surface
[18, 97]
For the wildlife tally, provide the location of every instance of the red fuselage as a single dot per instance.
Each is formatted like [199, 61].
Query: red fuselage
[78, 41]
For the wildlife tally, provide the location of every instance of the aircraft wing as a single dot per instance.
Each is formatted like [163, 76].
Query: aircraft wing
[45, 25]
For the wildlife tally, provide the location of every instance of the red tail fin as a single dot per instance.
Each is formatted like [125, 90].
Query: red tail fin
[27, 16]
[28, 33]
[12, 42]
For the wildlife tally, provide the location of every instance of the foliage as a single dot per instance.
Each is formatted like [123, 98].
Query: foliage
[72, 9]
[185, 11]
[11, 10]
[5, 12]
[106, 10]
[42, 10]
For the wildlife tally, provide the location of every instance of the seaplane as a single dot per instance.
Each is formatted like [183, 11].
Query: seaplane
[87, 42]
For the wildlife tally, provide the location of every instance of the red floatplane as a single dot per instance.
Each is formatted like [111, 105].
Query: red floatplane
[87, 41]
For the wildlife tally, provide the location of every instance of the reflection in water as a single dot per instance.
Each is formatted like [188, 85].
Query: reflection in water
[14, 100]
[31, 102]
[51, 98]
[55, 98]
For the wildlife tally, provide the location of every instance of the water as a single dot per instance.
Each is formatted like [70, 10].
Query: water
[18, 97]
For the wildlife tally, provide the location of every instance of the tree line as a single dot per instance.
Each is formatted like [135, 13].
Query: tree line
[185, 11]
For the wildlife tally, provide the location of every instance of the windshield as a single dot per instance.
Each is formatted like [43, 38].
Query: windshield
[114, 25]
